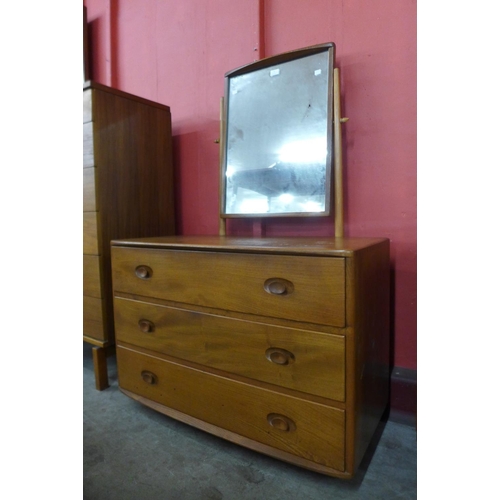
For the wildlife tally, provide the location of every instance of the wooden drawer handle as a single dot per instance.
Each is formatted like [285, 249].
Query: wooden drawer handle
[278, 286]
[143, 272]
[280, 422]
[146, 326]
[149, 377]
[279, 356]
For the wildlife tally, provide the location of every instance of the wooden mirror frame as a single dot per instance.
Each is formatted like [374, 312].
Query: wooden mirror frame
[275, 61]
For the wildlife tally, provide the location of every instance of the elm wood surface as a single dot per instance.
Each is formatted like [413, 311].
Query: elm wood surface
[127, 192]
[332, 247]
[145, 364]
[233, 281]
[237, 407]
[232, 436]
[367, 345]
[287, 357]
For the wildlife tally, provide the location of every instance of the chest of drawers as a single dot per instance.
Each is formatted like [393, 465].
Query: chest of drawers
[280, 345]
[127, 192]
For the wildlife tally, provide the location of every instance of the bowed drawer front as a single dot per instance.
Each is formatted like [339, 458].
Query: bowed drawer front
[280, 345]
[303, 428]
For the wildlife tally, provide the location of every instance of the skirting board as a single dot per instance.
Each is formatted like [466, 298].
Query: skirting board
[403, 396]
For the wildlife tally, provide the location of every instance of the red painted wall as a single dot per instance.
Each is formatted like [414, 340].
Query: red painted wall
[177, 52]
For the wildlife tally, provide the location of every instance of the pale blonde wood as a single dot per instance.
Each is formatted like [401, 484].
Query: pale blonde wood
[338, 159]
[237, 407]
[237, 346]
[91, 244]
[235, 281]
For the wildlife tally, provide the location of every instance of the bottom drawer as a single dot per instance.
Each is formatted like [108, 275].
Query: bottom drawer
[303, 428]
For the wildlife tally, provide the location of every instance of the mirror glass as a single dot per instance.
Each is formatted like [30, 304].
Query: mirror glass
[278, 147]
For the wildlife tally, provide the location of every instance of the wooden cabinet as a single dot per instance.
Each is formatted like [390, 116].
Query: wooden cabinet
[280, 345]
[127, 192]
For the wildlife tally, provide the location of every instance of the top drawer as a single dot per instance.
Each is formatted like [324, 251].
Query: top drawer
[309, 289]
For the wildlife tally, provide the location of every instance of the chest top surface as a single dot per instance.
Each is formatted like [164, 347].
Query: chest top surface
[328, 246]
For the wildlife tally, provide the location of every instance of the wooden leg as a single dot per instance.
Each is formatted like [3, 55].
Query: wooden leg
[100, 368]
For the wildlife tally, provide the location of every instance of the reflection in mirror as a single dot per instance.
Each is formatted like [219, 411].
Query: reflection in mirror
[278, 135]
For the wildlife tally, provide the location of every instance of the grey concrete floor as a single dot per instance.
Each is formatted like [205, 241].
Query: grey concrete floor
[132, 452]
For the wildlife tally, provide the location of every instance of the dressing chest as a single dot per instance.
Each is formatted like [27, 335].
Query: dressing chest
[127, 192]
[280, 345]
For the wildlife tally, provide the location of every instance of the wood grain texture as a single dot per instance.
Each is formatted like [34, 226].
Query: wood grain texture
[91, 240]
[92, 276]
[330, 247]
[190, 325]
[237, 407]
[368, 350]
[258, 318]
[100, 368]
[94, 321]
[338, 160]
[237, 438]
[236, 346]
[97, 342]
[235, 281]
[128, 185]
[89, 190]
[88, 145]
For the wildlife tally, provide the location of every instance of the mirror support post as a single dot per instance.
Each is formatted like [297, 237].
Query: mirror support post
[338, 174]
[222, 141]
[222, 227]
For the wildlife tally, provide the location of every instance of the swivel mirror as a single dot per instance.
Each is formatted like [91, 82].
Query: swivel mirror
[277, 144]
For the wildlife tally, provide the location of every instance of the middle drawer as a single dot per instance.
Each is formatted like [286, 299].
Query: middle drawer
[299, 288]
[305, 361]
